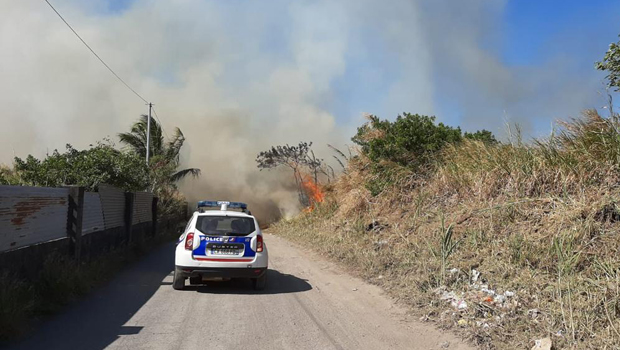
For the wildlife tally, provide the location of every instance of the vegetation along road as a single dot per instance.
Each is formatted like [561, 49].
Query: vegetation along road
[308, 304]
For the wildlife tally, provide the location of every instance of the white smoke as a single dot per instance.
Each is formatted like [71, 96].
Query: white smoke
[240, 76]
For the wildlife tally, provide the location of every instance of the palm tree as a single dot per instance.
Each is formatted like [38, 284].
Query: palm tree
[164, 156]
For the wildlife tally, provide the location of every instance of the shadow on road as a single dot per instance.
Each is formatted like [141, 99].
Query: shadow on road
[277, 283]
[98, 320]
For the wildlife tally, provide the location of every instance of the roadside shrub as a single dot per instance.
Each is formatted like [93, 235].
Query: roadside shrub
[411, 140]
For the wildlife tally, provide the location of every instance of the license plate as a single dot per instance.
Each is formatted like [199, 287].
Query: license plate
[224, 251]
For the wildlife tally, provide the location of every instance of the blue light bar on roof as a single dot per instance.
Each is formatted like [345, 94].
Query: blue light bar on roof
[218, 204]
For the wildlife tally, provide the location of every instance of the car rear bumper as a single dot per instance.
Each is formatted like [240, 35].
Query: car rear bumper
[223, 272]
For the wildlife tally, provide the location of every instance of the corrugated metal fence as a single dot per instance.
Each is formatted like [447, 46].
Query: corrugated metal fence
[113, 204]
[92, 220]
[143, 207]
[32, 215]
[29, 215]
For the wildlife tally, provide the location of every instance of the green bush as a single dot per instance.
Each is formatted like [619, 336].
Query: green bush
[99, 164]
[411, 140]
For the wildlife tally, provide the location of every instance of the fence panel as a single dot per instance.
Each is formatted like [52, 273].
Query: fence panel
[30, 215]
[113, 205]
[92, 220]
[143, 207]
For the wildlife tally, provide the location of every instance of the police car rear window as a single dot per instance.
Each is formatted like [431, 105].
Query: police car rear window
[225, 225]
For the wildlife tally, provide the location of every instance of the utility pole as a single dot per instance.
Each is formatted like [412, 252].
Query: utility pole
[148, 135]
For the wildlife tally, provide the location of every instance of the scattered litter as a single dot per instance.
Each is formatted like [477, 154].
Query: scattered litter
[485, 289]
[354, 289]
[447, 296]
[543, 344]
[499, 299]
[462, 322]
[380, 277]
[474, 276]
[482, 325]
[509, 294]
[533, 313]
[460, 304]
[454, 271]
[456, 302]
[445, 345]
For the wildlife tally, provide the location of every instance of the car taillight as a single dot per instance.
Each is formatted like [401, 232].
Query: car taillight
[189, 241]
[259, 244]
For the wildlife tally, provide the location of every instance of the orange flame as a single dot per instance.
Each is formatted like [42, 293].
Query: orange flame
[313, 190]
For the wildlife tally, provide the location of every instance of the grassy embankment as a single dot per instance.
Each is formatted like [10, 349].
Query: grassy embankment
[540, 220]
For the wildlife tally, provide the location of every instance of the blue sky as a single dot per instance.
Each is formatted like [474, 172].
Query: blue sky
[530, 27]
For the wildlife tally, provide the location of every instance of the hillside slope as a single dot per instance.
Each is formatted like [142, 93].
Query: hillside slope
[508, 243]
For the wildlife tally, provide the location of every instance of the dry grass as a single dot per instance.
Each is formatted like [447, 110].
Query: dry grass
[539, 220]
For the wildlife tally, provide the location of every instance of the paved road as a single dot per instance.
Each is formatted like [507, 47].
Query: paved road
[308, 304]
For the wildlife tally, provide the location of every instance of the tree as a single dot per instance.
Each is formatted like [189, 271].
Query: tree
[8, 176]
[99, 164]
[410, 140]
[611, 64]
[296, 158]
[164, 156]
[484, 136]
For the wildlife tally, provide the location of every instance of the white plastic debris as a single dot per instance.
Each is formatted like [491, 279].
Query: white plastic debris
[454, 271]
[448, 296]
[474, 276]
[499, 299]
[459, 304]
[485, 289]
[543, 344]
[509, 294]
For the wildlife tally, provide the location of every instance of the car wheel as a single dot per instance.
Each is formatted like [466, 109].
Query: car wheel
[178, 281]
[259, 283]
[195, 280]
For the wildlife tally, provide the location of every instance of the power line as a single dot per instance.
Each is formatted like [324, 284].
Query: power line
[94, 53]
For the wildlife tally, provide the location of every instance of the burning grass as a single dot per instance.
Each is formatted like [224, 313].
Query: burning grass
[507, 243]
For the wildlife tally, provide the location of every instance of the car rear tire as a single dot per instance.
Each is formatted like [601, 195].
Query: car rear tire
[260, 282]
[178, 281]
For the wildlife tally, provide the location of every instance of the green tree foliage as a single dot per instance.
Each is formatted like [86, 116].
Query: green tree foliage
[164, 162]
[8, 176]
[99, 164]
[611, 65]
[164, 156]
[482, 136]
[410, 140]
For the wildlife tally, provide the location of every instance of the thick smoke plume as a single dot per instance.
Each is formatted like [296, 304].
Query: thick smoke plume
[240, 76]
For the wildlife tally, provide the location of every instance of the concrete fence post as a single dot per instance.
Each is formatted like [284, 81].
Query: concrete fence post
[129, 202]
[74, 220]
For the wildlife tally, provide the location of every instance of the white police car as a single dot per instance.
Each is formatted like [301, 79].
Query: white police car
[221, 244]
